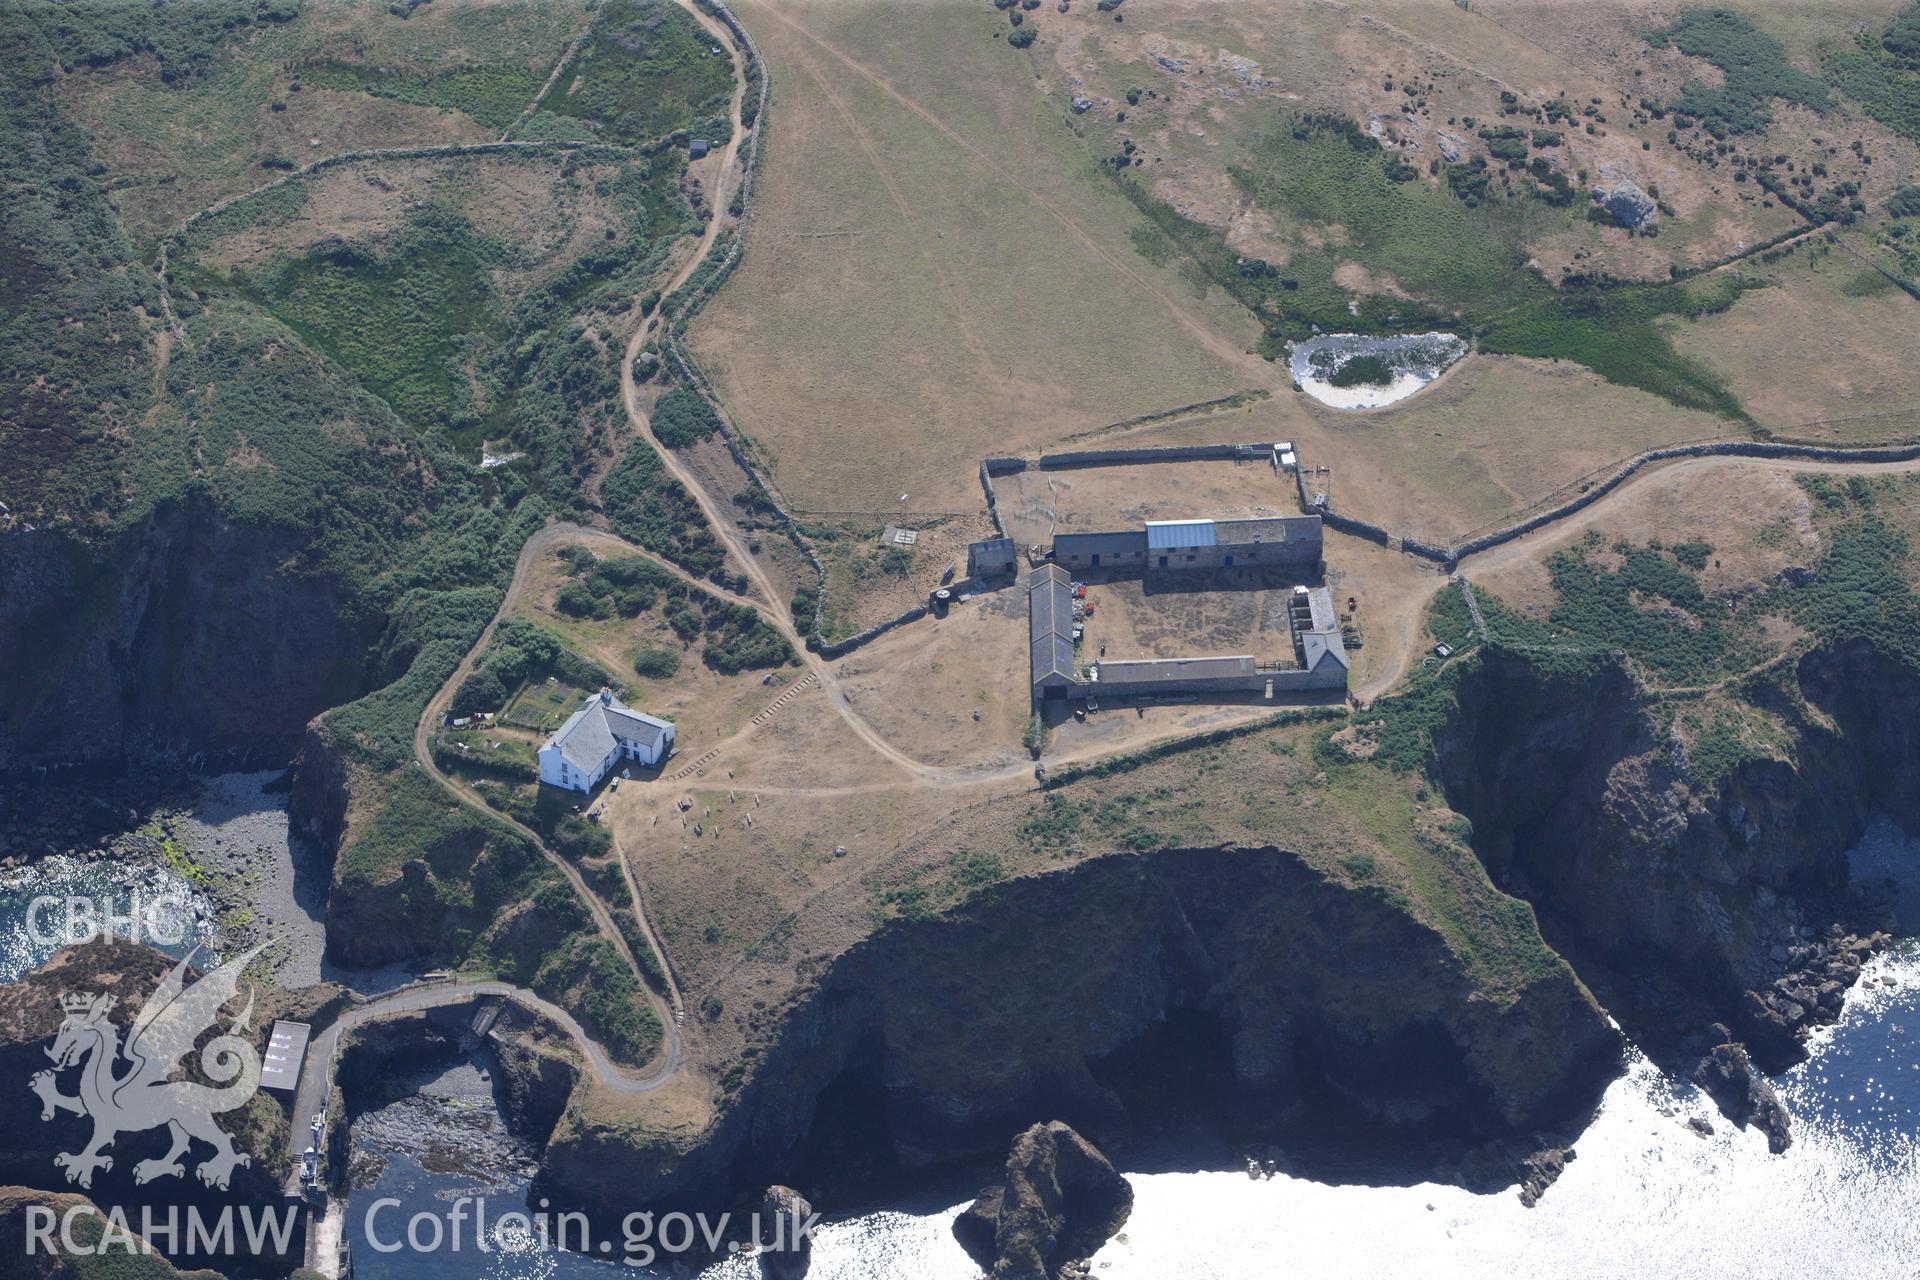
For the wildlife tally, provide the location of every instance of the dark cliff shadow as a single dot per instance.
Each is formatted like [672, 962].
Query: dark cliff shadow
[1186, 1113]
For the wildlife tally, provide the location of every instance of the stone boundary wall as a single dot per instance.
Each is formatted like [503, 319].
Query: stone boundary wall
[1449, 558]
[1344, 523]
[1350, 525]
[686, 308]
[1192, 742]
[989, 468]
[993, 503]
[840, 648]
[1162, 453]
[1231, 401]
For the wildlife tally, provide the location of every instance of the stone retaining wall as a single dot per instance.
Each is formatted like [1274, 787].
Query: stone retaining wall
[840, 648]
[1450, 557]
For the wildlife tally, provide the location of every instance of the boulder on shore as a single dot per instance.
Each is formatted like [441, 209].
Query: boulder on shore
[786, 1247]
[1743, 1094]
[1541, 1170]
[1060, 1202]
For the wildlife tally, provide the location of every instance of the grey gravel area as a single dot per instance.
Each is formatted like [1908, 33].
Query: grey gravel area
[269, 883]
[268, 886]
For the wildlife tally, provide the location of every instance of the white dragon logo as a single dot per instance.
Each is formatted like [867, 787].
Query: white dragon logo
[173, 1017]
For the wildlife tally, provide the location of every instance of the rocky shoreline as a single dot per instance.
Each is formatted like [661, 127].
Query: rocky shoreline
[80, 818]
[1810, 991]
[221, 844]
[1728, 909]
[1719, 916]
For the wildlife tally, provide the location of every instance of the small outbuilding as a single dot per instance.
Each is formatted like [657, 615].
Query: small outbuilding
[991, 558]
[286, 1051]
[698, 148]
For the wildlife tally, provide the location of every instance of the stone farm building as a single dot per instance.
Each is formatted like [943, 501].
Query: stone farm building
[598, 736]
[991, 558]
[1319, 648]
[1050, 627]
[1168, 546]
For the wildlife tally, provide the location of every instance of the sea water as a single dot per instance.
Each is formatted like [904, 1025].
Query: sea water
[49, 904]
[1646, 1198]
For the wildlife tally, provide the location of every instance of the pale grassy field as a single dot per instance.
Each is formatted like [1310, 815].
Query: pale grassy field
[951, 691]
[921, 290]
[1828, 352]
[551, 212]
[1758, 522]
[706, 706]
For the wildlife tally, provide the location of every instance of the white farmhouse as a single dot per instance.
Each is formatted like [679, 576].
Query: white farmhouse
[597, 737]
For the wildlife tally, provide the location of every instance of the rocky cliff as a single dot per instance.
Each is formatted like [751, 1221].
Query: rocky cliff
[190, 638]
[1585, 805]
[1237, 974]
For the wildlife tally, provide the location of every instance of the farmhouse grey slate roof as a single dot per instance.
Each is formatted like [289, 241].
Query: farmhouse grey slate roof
[591, 733]
[1130, 542]
[1267, 529]
[1322, 641]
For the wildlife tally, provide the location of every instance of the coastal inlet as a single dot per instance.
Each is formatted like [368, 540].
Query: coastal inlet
[1350, 371]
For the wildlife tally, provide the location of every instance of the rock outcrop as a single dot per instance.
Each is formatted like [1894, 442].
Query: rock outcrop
[537, 1075]
[1585, 806]
[1629, 205]
[1727, 1076]
[785, 1240]
[1060, 1200]
[1541, 1170]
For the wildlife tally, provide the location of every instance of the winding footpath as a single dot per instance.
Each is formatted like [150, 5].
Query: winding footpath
[317, 1071]
[669, 1010]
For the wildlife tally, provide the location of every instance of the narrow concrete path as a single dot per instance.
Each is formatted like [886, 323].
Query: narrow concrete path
[316, 1073]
